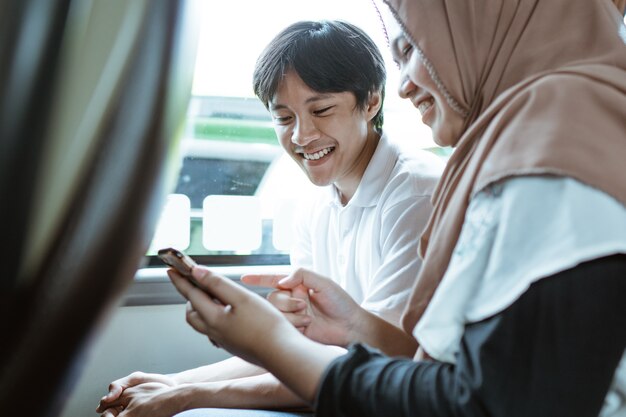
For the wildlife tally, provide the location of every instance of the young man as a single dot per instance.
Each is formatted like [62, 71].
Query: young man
[323, 83]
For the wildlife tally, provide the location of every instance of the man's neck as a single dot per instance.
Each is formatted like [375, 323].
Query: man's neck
[347, 187]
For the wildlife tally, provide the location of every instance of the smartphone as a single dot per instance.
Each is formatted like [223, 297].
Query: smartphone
[184, 264]
[179, 261]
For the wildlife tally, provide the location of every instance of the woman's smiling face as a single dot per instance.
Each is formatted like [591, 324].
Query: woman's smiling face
[417, 85]
[325, 133]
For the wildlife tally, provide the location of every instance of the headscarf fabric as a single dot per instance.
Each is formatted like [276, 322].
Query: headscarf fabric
[542, 86]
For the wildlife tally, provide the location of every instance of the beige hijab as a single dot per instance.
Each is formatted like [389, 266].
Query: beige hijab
[542, 84]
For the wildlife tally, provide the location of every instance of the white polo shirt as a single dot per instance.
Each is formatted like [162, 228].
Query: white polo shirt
[369, 246]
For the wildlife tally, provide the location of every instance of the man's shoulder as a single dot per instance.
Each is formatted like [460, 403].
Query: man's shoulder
[417, 170]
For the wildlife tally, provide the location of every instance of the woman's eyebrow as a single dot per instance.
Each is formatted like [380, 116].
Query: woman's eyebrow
[394, 48]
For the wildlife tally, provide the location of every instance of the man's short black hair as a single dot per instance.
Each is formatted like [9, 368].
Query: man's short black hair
[330, 56]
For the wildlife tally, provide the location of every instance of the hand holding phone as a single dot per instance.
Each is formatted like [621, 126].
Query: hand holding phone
[182, 263]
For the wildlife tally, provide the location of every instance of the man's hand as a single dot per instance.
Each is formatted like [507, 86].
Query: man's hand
[117, 387]
[149, 399]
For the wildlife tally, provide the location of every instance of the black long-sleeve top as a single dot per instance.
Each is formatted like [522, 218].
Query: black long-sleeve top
[551, 353]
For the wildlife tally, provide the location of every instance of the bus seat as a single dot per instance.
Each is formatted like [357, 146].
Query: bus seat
[93, 97]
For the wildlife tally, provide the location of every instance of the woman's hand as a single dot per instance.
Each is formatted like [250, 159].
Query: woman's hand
[329, 316]
[332, 316]
[230, 315]
[250, 327]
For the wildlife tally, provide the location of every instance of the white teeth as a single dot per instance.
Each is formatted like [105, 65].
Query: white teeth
[425, 105]
[317, 155]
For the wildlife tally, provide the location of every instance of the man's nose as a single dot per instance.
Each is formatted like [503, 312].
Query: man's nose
[304, 132]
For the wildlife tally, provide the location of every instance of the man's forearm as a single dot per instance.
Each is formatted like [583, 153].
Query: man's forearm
[259, 391]
[227, 369]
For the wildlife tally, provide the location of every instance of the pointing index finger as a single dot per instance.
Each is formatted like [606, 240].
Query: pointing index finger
[262, 280]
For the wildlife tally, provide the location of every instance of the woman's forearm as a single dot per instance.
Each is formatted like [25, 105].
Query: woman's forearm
[298, 362]
[380, 334]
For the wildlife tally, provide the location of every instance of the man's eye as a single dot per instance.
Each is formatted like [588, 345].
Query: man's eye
[322, 111]
[281, 120]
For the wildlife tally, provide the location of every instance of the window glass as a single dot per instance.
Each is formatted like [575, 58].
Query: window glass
[236, 191]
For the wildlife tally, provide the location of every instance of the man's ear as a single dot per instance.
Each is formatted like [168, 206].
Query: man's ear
[374, 103]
